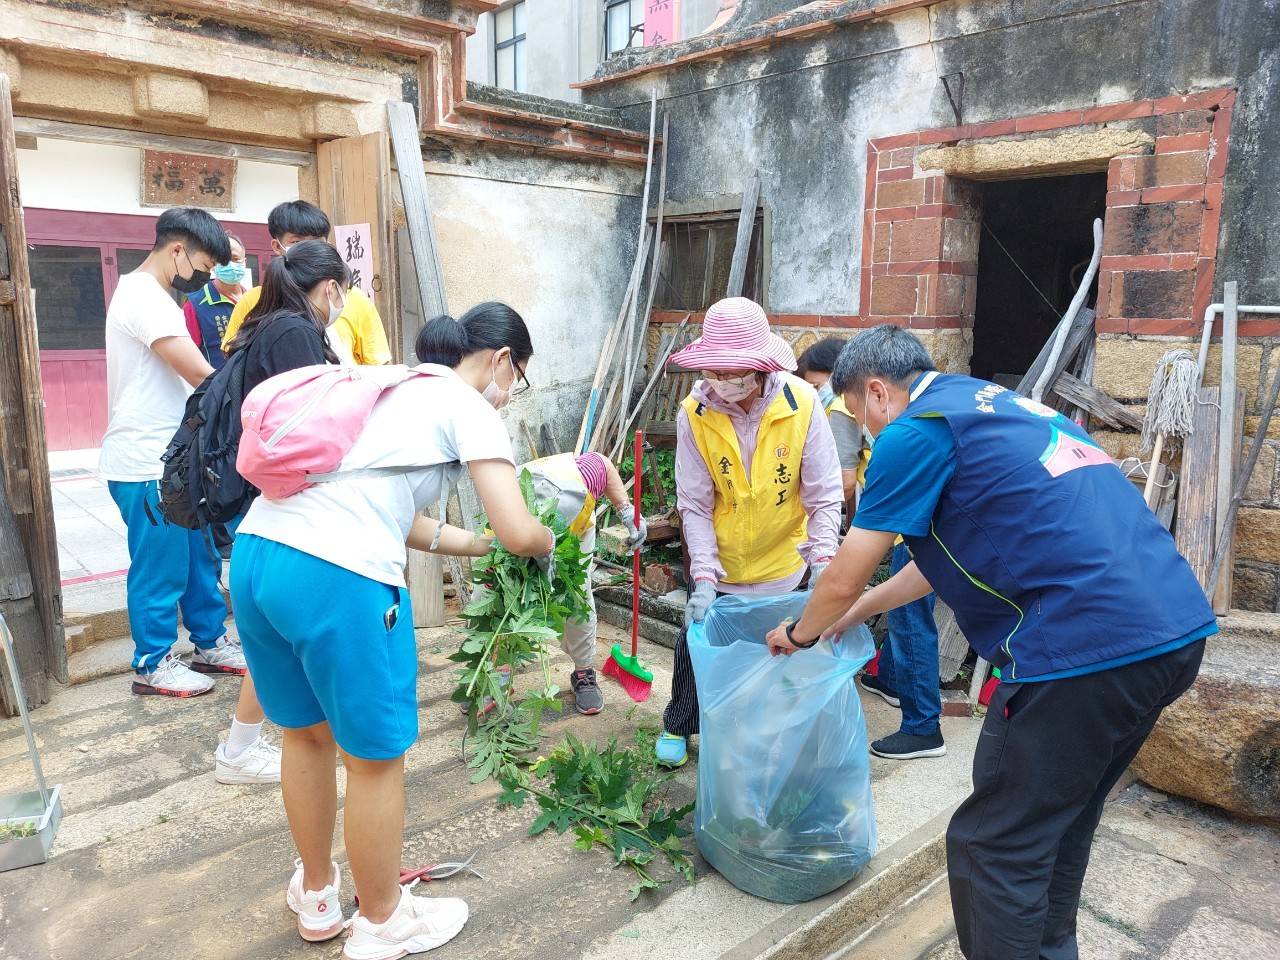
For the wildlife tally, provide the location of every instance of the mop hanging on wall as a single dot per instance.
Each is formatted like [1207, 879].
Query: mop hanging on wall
[1171, 404]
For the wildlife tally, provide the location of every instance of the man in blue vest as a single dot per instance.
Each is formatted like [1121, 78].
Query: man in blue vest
[1058, 574]
[208, 310]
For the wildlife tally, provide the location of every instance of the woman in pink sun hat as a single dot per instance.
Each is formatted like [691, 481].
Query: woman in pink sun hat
[757, 482]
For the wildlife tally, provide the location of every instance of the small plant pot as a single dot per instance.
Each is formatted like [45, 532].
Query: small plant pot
[19, 808]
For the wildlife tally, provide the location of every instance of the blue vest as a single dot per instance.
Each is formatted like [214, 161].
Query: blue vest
[1045, 551]
[213, 311]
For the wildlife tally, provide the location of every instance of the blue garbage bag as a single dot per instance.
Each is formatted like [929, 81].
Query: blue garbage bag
[784, 780]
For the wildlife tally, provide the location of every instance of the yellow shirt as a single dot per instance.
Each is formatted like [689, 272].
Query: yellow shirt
[358, 326]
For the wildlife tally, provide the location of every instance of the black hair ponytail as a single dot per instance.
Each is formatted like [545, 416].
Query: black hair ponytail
[287, 282]
[486, 326]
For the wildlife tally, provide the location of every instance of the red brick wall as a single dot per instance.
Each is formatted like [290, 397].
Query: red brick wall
[1160, 233]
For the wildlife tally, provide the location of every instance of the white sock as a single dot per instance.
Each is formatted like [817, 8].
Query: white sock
[241, 738]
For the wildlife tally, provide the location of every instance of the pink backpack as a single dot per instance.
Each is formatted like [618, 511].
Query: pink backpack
[299, 425]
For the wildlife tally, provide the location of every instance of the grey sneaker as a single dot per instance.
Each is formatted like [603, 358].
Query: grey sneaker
[225, 656]
[908, 746]
[171, 678]
[586, 691]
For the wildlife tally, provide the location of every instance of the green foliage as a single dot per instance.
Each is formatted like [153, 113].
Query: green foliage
[613, 798]
[514, 612]
[17, 831]
[662, 462]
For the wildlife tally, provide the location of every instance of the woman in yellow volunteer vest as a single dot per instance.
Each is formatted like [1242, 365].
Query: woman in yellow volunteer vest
[757, 482]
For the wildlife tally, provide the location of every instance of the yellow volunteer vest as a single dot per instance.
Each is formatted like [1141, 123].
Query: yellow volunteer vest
[864, 455]
[759, 521]
[558, 478]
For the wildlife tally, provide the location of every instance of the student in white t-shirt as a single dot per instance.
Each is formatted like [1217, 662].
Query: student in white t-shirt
[317, 582]
[152, 366]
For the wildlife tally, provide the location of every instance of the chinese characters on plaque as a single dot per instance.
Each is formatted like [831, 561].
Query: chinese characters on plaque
[187, 180]
[355, 244]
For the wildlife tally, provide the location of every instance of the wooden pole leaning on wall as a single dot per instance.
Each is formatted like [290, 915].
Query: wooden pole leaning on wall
[742, 244]
[424, 571]
[1229, 431]
[24, 456]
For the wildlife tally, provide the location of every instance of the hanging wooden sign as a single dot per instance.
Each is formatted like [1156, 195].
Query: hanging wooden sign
[187, 180]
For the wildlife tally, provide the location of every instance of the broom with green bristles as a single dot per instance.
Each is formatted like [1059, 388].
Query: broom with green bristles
[633, 675]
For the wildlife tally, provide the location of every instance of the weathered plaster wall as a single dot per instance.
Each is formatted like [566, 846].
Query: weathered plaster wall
[555, 240]
[802, 112]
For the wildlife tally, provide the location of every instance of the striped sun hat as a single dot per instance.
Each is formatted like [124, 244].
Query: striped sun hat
[735, 336]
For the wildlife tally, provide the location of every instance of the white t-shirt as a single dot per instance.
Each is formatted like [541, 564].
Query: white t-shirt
[360, 524]
[145, 396]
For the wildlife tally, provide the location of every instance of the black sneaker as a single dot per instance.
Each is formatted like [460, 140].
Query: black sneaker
[907, 746]
[880, 689]
[586, 691]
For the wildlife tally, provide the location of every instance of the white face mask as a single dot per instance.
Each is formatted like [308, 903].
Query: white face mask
[735, 388]
[496, 395]
[866, 414]
[335, 312]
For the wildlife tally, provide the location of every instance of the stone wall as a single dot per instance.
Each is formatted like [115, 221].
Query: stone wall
[866, 162]
[1123, 369]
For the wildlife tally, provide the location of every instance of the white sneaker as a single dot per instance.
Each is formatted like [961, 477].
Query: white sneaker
[319, 911]
[418, 924]
[258, 763]
[171, 678]
[226, 656]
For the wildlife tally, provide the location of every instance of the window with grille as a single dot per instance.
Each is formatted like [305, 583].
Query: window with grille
[623, 25]
[697, 253]
[509, 49]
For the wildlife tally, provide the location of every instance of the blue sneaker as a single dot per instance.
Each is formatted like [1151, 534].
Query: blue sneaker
[671, 750]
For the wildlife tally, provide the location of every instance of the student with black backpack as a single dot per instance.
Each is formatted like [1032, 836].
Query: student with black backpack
[302, 294]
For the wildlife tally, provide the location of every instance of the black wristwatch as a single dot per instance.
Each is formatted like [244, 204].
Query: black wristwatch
[791, 635]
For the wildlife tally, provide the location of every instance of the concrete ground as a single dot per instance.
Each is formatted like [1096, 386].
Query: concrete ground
[155, 859]
[91, 535]
[1169, 879]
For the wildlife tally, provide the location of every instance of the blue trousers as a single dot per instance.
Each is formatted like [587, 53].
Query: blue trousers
[169, 568]
[909, 658]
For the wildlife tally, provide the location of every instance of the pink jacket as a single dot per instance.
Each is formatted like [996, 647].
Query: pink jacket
[820, 487]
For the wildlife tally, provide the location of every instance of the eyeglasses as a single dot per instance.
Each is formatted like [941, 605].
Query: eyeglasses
[525, 386]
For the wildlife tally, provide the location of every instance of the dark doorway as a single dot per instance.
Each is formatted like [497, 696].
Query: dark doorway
[1037, 237]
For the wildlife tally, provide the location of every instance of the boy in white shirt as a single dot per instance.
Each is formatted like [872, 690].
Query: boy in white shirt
[152, 366]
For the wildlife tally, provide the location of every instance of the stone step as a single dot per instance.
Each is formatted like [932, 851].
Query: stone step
[828, 926]
[1251, 625]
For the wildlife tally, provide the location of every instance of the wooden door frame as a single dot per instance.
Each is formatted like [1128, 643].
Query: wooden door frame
[24, 457]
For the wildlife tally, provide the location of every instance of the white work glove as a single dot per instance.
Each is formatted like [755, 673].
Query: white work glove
[547, 564]
[635, 535]
[816, 570]
[696, 609]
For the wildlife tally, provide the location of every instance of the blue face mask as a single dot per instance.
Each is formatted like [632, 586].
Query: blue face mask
[230, 273]
[826, 396]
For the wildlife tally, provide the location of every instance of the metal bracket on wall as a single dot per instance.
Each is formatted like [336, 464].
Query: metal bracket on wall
[953, 85]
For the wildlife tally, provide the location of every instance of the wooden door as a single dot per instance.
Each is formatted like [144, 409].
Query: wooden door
[30, 584]
[354, 175]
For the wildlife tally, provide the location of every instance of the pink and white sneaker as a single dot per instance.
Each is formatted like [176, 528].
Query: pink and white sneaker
[417, 925]
[319, 911]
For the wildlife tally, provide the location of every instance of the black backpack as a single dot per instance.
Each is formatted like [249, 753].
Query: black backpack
[200, 486]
